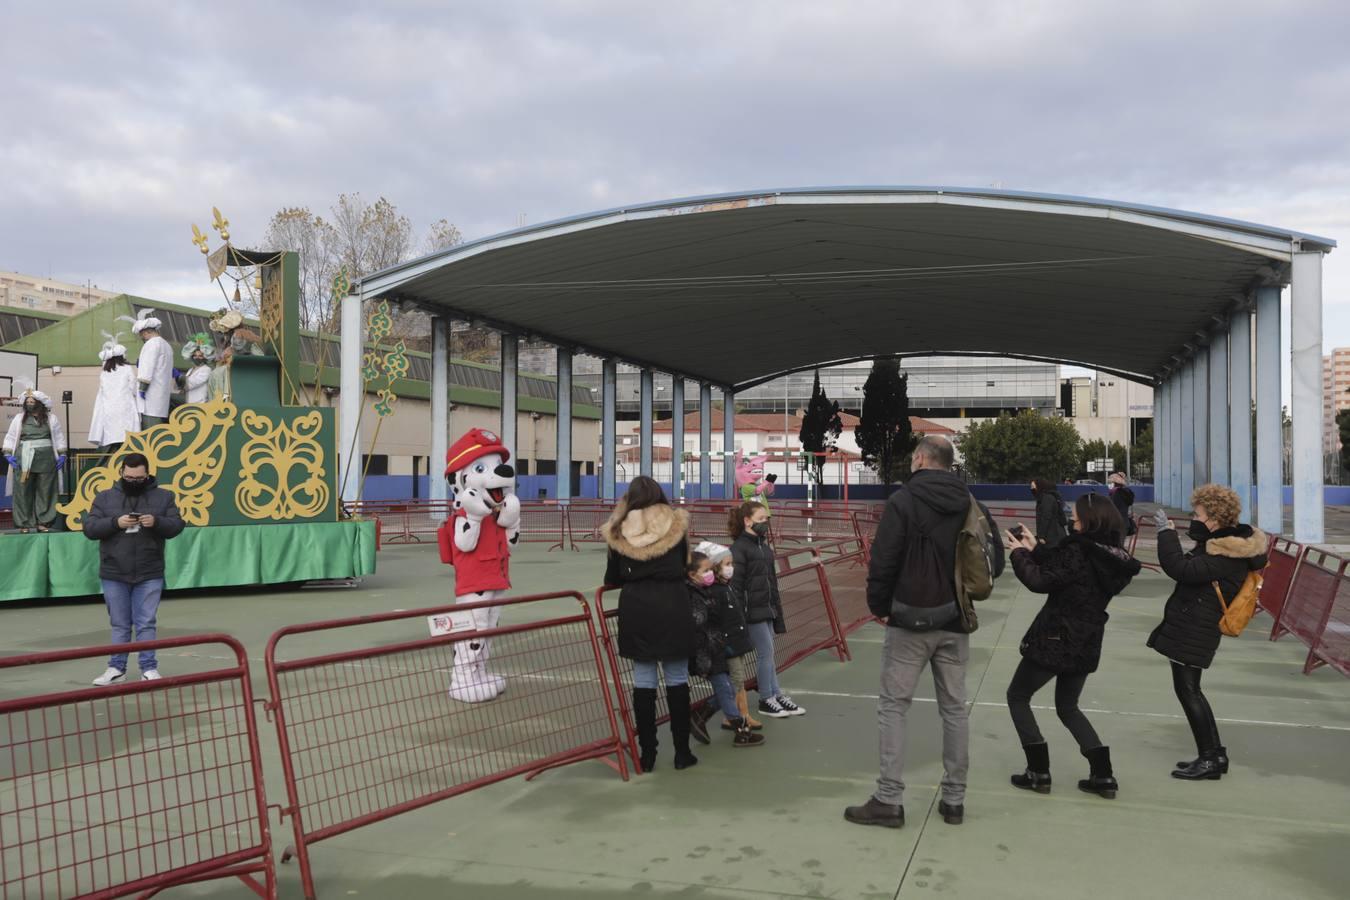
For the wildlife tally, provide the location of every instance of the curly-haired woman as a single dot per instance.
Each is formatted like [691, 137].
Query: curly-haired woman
[1225, 551]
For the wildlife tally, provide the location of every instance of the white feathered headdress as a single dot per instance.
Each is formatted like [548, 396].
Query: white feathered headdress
[144, 318]
[30, 390]
[112, 346]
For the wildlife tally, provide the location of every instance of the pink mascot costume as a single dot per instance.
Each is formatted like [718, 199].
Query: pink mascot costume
[480, 532]
[751, 480]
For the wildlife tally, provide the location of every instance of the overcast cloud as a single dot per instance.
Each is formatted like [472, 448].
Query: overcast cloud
[124, 123]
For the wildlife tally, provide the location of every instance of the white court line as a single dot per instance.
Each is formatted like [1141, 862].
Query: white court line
[1109, 712]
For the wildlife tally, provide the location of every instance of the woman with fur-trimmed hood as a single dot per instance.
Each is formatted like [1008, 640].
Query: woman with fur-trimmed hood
[648, 550]
[1225, 552]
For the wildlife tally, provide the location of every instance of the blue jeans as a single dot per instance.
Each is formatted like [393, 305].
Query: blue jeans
[761, 635]
[725, 694]
[132, 606]
[676, 672]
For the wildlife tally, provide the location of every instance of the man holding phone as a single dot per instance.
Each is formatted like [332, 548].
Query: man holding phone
[131, 521]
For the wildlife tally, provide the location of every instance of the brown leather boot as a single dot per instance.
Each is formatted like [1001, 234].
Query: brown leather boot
[743, 704]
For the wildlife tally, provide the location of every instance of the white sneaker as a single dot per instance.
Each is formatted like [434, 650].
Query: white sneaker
[109, 676]
[150, 675]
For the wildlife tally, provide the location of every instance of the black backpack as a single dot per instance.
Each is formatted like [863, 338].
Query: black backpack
[925, 597]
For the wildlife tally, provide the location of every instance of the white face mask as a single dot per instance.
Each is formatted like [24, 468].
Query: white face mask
[726, 572]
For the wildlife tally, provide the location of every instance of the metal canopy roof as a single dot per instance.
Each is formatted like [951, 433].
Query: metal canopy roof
[737, 289]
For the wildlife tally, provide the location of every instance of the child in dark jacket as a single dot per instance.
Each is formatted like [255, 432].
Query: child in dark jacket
[730, 622]
[715, 652]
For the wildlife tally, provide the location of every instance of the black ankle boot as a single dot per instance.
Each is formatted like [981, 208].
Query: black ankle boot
[1102, 780]
[1037, 776]
[644, 716]
[1207, 768]
[677, 698]
[1221, 757]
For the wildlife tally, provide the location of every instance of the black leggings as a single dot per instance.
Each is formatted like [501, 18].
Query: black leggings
[1186, 682]
[1030, 678]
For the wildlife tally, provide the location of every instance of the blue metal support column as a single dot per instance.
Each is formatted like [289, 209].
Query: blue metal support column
[1218, 407]
[677, 436]
[609, 381]
[1305, 399]
[1200, 411]
[1174, 444]
[564, 423]
[510, 379]
[440, 407]
[1240, 407]
[705, 441]
[1269, 428]
[1187, 461]
[645, 423]
[1160, 428]
[729, 444]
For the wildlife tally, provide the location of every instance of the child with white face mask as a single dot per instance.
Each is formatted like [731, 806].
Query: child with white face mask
[721, 642]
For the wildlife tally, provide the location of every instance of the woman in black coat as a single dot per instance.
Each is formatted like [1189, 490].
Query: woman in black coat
[1064, 642]
[1225, 552]
[648, 550]
[1050, 524]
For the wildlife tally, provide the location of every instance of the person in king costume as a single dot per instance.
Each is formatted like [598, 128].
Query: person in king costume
[238, 340]
[480, 532]
[35, 448]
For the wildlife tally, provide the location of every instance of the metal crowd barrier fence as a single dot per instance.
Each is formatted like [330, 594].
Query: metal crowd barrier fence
[1332, 646]
[136, 787]
[1285, 557]
[371, 732]
[845, 563]
[1307, 608]
[808, 609]
[412, 521]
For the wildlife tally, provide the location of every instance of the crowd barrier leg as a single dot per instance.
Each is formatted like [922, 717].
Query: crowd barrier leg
[135, 787]
[372, 732]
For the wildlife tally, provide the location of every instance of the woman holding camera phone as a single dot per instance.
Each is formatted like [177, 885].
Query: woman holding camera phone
[1064, 643]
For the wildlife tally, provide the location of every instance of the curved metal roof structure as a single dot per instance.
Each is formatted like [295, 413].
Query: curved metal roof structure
[736, 289]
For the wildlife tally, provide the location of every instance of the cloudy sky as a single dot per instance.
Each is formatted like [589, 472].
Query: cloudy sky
[124, 123]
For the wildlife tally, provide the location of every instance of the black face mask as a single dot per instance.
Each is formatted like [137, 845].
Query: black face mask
[1197, 531]
[133, 487]
[760, 528]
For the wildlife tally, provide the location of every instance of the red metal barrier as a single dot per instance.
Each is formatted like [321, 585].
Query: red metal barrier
[1285, 557]
[845, 564]
[1332, 646]
[413, 521]
[585, 523]
[1308, 603]
[136, 787]
[369, 733]
[812, 626]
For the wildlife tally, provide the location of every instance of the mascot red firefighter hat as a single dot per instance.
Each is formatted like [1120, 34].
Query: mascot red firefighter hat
[477, 539]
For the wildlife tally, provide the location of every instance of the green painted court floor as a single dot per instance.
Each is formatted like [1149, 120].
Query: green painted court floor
[767, 822]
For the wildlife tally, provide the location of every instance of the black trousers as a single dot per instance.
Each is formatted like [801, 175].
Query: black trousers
[1030, 678]
[1186, 682]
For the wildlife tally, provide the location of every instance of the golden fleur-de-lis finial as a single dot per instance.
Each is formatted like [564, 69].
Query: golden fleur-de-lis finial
[221, 224]
[200, 240]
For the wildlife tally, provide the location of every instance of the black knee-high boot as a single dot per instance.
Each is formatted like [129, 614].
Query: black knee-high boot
[677, 698]
[644, 716]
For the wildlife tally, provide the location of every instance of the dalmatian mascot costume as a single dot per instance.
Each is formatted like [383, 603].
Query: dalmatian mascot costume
[480, 532]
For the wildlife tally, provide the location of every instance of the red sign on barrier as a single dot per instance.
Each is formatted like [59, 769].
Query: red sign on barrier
[136, 787]
[371, 732]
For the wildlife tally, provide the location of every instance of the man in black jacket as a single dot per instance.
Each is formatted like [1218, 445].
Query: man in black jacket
[930, 509]
[131, 521]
